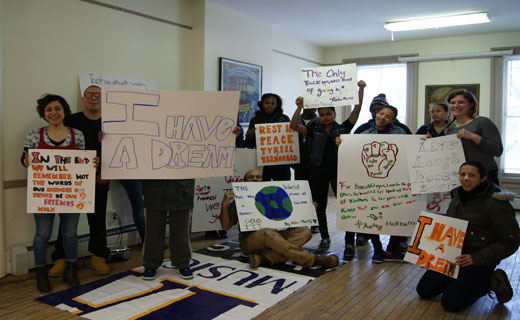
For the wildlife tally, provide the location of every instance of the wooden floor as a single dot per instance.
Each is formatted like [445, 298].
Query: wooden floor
[357, 290]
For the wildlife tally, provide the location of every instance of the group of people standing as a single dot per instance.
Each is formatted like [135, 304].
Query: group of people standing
[493, 233]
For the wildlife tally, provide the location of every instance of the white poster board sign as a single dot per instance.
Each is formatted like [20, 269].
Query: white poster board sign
[209, 192]
[276, 143]
[61, 181]
[374, 194]
[332, 86]
[105, 81]
[436, 242]
[434, 163]
[438, 202]
[274, 204]
[153, 134]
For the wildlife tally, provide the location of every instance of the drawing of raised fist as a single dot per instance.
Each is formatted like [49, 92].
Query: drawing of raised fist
[379, 158]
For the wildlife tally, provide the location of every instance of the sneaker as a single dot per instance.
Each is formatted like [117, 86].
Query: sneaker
[149, 274]
[58, 268]
[99, 265]
[315, 229]
[324, 245]
[499, 284]
[185, 273]
[327, 261]
[377, 258]
[392, 256]
[349, 252]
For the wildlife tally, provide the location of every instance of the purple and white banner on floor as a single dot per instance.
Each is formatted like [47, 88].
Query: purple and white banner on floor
[221, 289]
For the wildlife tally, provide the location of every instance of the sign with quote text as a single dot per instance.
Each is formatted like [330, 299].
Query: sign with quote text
[436, 242]
[61, 181]
[209, 192]
[276, 143]
[332, 86]
[107, 81]
[155, 134]
[374, 194]
[434, 163]
[274, 204]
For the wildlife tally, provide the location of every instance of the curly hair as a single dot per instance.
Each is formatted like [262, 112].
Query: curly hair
[48, 98]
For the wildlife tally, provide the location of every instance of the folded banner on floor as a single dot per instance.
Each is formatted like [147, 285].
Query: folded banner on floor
[222, 289]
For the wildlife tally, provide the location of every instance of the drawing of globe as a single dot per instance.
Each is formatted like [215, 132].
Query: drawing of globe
[274, 203]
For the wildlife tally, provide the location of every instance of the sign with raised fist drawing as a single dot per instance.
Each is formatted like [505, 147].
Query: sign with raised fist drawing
[379, 158]
[374, 193]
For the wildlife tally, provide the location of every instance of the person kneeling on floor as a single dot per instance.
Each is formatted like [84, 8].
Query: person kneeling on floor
[270, 245]
[492, 235]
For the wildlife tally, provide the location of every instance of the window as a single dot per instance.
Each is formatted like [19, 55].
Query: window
[511, 116]
[390, 79]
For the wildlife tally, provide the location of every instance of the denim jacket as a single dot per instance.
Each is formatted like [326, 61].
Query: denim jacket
[319, 137]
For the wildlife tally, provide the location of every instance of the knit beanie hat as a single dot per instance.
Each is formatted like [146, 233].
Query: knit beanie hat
[379, 99]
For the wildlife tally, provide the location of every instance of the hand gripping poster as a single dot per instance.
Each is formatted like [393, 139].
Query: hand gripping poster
[374, 194]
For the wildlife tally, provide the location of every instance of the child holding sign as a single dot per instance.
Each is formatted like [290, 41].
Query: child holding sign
[270, 112]
[324, 155]
[492, 235]
[53, 108]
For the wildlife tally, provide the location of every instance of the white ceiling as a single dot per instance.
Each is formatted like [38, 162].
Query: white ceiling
[341, 22]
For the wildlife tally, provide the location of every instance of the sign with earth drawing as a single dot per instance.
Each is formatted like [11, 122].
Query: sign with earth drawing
[274, 204]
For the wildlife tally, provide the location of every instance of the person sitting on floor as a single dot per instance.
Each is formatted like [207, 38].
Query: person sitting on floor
[492, 235]
[270, 245]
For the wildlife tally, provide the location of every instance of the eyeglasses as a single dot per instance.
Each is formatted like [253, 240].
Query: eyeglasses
[93, 95]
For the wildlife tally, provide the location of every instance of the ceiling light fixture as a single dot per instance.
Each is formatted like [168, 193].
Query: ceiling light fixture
[438, 22]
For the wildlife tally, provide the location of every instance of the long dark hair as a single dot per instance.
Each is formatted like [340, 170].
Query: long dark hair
[269, 95]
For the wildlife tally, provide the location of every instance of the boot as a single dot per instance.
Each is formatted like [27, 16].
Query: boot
[42, 280]
[70, 274]
[329, 261]
[57, 269]
[99, 265]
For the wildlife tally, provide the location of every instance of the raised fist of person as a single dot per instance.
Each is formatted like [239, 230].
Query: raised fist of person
[379, 158]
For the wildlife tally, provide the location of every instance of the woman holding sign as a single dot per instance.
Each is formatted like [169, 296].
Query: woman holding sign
[324, 155]
[492, 235]
[53, 109]
[479, 135]
[270, 112]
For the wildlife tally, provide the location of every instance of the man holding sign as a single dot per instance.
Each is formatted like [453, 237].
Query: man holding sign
[269, 245]
[492, 235]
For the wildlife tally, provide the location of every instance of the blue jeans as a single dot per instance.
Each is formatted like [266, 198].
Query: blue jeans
[134, 190]
[69, 227]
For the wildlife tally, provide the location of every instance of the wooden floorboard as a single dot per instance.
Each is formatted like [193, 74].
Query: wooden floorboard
[357, 290]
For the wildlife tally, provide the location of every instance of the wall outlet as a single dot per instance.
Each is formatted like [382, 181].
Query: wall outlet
[111, 215]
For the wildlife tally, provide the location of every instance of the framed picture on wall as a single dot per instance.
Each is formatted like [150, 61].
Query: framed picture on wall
[439, 93]
[246, 78]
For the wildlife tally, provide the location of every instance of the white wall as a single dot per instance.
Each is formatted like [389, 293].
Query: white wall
[440, 72]
[232, 35]
[289, 57]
